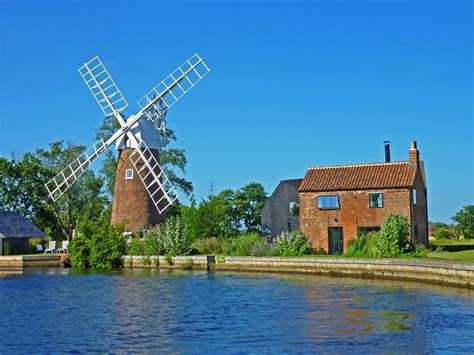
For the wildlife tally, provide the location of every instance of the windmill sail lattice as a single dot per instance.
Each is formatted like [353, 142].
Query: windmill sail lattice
[103, 87]
[170, 90]
[153, 106]
[154, 178]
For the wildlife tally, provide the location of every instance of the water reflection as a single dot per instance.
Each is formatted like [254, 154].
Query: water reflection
[53, 310]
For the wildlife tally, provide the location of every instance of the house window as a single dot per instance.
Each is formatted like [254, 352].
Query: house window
[328, 202]
[414, 196]
[129, 174]
[376, 200]
[294, 208]
[362, 231]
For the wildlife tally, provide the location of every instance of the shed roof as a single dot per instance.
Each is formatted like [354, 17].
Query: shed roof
[360, 177]
[13, 225]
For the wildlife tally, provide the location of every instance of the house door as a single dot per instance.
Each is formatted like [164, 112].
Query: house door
[336, 240]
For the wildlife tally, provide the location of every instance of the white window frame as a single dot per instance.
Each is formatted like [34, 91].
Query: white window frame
[127, 175]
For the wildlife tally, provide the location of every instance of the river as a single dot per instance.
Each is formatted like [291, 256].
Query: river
[68, 310]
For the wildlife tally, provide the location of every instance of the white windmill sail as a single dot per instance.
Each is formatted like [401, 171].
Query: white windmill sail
[153, 106]
[159, 187]
[173, 87]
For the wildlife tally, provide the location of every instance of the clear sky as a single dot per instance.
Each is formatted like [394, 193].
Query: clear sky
[292, 84]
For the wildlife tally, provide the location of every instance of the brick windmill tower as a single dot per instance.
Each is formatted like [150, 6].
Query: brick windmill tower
[142, 190]
[131, 201]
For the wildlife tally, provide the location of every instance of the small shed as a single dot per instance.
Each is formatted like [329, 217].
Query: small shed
[281, 213]
[15, 232]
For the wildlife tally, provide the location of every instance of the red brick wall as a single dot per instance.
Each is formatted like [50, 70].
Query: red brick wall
[420, 210]
[354, 212]
[131, 201]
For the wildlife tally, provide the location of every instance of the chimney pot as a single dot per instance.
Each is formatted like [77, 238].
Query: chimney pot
[413, 154]
[387, 151]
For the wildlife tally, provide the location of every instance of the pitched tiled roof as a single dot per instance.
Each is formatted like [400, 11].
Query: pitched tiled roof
[359, 177]
[13, 225]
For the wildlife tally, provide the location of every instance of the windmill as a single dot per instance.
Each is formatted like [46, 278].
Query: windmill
[141, 201]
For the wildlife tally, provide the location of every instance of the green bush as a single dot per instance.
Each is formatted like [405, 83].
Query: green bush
[443, 234]
[170, 237]
[188, 264]
[79, 249]
[242, 245]
[294, 243]
[169, 259]
[363, 246]
[210, 246]
[394, 238]
[107, 246]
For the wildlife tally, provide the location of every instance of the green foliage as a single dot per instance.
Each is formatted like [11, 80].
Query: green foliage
[226, 214]
[294, 243]
[249, 201]
[444, 234]
[79, 250]
[107, 248]
[363, 246]
[170, 238]
[211, 245]
[464, 220]
[243, 245]
[146, 260]
[188, 264]
[97, 245]
[169, 259]
[22, 190]
[136, 247]
[394, 238]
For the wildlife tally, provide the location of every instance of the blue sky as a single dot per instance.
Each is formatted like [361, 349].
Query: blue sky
[292, 84]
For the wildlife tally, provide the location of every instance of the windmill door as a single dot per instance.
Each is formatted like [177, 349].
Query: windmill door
[336, 241]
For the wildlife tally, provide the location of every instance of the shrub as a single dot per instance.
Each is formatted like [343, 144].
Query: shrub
[107, 246]
[169, 259]
[242, 245]
[443, 234]
[79, 249]
[294, 243]
[394, 238]
[170, 237]
[188, 264]
[364, 245]
[209, 246]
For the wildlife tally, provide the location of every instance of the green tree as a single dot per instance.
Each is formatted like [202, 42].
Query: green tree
[249, 201]
[464, 222]
[22, 190]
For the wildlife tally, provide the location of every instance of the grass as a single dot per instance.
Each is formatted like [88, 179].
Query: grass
[464, 256]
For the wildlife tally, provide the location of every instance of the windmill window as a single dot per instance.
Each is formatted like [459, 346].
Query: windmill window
[414, 196]
[294, 208]
[129, 174]
[376, 200]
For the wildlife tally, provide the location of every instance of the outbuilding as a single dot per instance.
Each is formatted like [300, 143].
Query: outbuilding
[15, 233]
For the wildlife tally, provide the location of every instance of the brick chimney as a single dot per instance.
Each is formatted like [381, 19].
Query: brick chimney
[413, 154]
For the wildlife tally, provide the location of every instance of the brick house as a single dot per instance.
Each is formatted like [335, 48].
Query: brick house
[340, 203]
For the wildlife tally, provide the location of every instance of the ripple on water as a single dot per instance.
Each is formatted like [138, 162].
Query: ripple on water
[147, 310]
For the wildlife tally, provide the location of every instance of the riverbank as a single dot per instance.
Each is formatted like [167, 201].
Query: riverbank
[422, 270]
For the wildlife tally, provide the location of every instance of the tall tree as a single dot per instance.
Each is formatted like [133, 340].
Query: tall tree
[249, 202]
[464, 220]
[22, 190]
